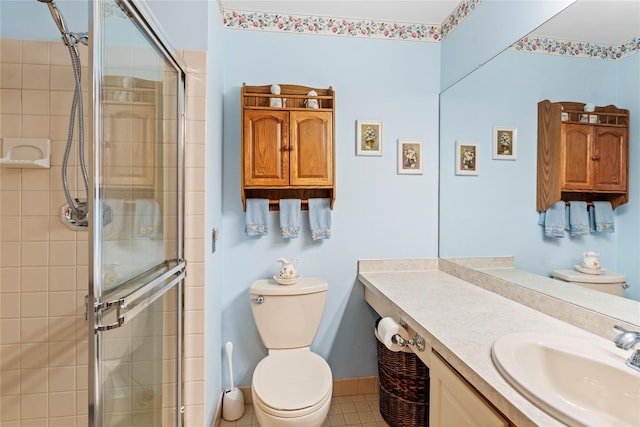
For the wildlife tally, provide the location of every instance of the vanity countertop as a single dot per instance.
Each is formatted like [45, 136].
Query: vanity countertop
[461, 321]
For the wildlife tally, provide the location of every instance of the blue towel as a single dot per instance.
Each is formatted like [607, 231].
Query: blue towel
[289, 218]
[578, 219]
[148, 219]
[256, 217]
[601, 217]
[320, 218]
[555, 220]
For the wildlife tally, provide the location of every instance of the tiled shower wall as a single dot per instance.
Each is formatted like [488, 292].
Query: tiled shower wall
[43, 265]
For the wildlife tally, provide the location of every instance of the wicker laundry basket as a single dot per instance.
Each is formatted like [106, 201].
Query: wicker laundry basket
[404, 388]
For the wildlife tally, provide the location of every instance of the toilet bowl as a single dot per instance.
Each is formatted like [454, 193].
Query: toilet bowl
[608, 282]
[291, 386]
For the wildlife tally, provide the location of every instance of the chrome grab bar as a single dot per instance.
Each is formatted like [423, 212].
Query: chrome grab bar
[130, 306]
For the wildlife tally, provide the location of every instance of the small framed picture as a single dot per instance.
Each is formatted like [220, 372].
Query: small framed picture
[504, 143]
[368, 138]
[409, 156]
[466, 158]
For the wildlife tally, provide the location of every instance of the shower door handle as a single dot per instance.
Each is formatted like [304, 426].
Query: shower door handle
[131, 305]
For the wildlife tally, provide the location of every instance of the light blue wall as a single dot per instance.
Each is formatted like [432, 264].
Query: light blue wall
[495, 213]
[492, 27]
[185, 21]
[213, 199]
[31, 20]
[378, 213]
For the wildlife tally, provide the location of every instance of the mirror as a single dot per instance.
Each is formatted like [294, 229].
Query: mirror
[494, 213]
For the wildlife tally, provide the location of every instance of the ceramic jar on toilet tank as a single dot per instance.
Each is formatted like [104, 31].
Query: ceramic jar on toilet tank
[292, 385]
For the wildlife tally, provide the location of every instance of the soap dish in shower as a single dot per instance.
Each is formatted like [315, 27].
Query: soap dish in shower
[26, 153]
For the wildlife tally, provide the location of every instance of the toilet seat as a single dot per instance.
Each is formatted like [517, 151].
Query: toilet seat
[292, 383]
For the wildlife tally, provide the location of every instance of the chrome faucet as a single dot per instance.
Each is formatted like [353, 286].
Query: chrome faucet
[626, 340]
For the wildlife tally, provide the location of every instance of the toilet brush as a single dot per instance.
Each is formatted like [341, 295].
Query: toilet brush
[232, 400]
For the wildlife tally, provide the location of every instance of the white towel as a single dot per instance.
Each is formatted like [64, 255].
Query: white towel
[289, 218]
[320, 218]
[147, 218]
[256, 217]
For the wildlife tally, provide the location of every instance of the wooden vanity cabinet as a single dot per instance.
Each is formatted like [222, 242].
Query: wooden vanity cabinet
[582, 155]
[287, 151]
[453, 402]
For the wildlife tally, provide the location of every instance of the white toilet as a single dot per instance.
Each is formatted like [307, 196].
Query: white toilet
[608, 282]
[291, 386]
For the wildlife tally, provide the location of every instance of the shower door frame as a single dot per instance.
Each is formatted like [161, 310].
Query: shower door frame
[142, 16]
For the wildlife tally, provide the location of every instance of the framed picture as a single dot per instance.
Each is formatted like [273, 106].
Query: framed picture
[504, 143]
[368, 138]
[466, 158]
[409, 156]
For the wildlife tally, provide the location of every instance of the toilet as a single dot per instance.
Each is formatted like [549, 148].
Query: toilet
[608, 282]
[291, 386]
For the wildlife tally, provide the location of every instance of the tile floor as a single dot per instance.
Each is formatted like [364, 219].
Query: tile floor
[360, 410]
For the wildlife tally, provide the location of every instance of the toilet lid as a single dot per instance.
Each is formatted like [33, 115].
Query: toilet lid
[292, 379]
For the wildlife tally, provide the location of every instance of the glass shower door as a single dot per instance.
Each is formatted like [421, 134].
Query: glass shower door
[137, 266]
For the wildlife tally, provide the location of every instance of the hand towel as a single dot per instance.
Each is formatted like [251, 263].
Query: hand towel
[320, 218]
[289, 218]
[147, 218]
[112, 229]
[578, 218]
[256, 217]
[601, 217]
[555, 220]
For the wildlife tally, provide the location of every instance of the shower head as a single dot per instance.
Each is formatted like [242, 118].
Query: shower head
[59, 20]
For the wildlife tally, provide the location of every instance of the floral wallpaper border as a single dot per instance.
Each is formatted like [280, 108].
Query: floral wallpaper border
[347, 27]
[264, 21]
[576, 49]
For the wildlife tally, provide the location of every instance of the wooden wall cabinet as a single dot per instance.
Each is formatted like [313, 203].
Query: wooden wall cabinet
[288, 151]
[582, 155]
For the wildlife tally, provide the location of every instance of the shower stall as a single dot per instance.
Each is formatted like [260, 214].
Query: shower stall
[92, 262]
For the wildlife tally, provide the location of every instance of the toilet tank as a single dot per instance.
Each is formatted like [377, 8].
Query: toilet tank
[289, 315]
[607, 282]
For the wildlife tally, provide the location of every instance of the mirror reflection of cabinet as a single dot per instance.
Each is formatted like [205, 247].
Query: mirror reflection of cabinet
[582, 155]
[132, 114]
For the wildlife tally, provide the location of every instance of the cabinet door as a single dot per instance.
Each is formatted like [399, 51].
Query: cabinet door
[266, 155]
[576, 157]
[610, 159]
[454, 403]
[130, 147]
[311, 155]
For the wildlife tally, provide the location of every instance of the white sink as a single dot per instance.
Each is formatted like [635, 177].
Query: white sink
[578, 381]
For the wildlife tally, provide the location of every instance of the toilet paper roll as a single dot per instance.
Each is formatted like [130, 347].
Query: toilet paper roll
[387, 329]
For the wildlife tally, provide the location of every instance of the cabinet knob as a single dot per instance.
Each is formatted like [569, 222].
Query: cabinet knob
[595, 158]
